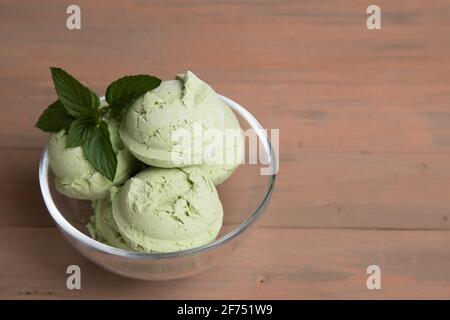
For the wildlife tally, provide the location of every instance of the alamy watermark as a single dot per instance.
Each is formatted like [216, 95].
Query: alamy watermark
[196, 145]
[73, 281]
[73, 21]
[374, 20]
[374, 280]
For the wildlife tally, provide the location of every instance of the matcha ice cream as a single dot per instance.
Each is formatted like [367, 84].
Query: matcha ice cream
[103, 227]
[152, 122]
[165, 210]
[181, 128]
[74, 175]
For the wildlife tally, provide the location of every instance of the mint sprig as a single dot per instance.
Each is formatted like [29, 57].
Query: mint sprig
[78, 112]
[55, 118]
[123, 92]
[80, 131]
[78, 99]
[99, 151]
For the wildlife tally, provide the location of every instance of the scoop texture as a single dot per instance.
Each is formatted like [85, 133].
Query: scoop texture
[166, 210]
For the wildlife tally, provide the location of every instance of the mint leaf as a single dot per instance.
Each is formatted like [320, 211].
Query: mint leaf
[80, 131]
[123, 92]
[55, 118]
[99, 151]
[75, 97]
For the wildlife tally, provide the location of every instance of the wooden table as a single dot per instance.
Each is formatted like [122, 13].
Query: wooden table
[365, 139]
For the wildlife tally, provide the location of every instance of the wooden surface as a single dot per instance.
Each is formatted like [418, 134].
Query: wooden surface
[365, 139]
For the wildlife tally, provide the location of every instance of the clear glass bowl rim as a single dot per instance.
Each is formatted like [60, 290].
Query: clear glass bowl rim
[89, 242]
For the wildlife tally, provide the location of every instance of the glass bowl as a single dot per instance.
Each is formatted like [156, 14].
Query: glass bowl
[244, 196]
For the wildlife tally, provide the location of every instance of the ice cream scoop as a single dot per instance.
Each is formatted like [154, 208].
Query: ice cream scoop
[74, 175]
[102, 226]
[166, 210]
[153, 122]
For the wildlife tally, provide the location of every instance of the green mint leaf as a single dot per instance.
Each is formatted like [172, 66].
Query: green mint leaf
[123, 92]
[75, 97]
[99, 151]
[55, 118]
[80, 131]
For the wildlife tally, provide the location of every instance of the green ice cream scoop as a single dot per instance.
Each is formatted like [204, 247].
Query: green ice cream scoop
[74, 175]
[166, 210]
[151, 126]
[103, 227]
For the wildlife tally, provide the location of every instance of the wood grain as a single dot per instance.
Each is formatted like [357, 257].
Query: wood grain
[324, 190]
[294, 264]
[364, 144]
